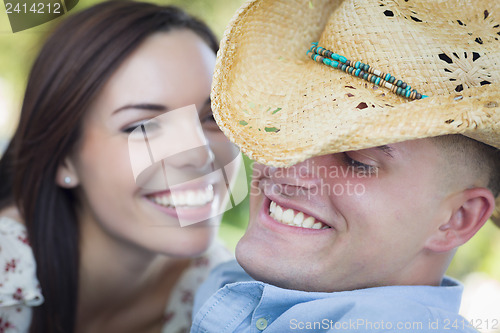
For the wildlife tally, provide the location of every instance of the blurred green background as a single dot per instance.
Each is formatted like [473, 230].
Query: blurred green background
[17, 51]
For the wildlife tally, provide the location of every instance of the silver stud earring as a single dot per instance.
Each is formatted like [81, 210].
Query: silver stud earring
[67, 180]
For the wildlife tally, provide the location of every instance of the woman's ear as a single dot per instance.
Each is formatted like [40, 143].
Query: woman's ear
[470, 209]
[66, 176]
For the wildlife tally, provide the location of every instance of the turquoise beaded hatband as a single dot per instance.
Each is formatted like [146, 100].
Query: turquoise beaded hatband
[364, 71]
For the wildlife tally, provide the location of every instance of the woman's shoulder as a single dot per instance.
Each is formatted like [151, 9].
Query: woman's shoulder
[213, 257]
[201, 267]
[12, 231]
[9, 215]
[18, 282]
[179, 309]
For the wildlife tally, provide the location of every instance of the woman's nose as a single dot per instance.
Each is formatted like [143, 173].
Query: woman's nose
[170, 149]
[185, 144]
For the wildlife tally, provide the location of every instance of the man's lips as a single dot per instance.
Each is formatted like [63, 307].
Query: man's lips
[294, 217]
[291, 208]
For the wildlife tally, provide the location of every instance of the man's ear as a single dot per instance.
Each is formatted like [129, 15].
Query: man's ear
[469, 209]
[66, 175]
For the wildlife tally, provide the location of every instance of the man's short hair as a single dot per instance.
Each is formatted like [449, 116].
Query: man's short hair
[481, 159]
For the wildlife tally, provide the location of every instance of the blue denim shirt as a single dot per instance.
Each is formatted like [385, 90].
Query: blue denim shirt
[252, 306]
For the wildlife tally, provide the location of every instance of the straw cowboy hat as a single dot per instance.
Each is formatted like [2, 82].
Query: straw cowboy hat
[281, 107]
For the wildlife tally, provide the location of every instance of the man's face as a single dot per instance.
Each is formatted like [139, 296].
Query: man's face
[346, 221]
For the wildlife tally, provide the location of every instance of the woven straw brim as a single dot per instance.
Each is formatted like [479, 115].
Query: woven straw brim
[281, 108]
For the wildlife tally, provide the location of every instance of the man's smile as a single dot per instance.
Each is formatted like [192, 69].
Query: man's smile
[294, 218]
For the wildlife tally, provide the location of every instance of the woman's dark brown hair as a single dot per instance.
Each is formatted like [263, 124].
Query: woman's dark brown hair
[70, 71]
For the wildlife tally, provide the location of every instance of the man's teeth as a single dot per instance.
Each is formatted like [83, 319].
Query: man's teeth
[189, 198]
[293, 218]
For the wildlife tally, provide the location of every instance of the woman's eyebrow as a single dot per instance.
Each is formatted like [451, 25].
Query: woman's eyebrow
[150, 107]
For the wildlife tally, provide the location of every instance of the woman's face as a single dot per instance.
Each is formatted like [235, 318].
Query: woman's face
[136, 197]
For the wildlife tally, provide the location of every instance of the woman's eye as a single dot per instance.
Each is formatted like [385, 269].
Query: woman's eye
[148, 124]
[360, 167]
[209, 118]
[130, 129]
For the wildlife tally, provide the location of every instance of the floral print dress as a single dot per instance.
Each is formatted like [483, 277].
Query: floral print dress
[20, 290]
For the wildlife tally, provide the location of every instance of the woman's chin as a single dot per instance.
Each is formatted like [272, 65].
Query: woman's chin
[189, 241]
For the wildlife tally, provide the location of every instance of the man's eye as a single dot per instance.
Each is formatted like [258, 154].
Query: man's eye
[358, 166]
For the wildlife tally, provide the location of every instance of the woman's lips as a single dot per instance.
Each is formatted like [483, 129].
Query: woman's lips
[186, 198]
[187, 205]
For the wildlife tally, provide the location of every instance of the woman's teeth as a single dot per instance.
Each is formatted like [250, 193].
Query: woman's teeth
[187, 198]
[294, 218]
